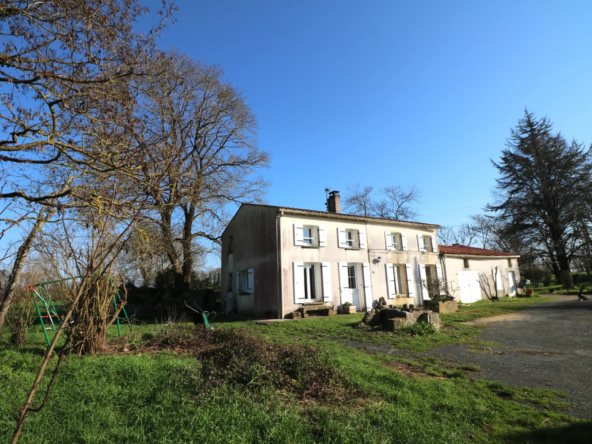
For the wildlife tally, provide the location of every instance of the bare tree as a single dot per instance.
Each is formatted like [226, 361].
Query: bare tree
[358, 200]
[466, 235]
[396, 201]
[64, 71]
[197, 137]
[446, 235]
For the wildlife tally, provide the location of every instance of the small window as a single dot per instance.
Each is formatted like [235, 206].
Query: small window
[466, 261]
[309, 236]
[510, 263]
[396, 239]
[351, 276]
[229, 282]
[427, 243]
[351, 239]
[431, 280]
[401, 279]
[230, 244]
[244, 278]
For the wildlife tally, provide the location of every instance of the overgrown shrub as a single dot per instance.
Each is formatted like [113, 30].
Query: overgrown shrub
[239, 358]
[547, 279]
[535, 275]
[420, 328]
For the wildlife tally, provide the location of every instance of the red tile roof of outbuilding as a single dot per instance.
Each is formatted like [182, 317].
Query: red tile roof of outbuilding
[471, 251]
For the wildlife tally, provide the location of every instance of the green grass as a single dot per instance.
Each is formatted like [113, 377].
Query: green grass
[149, 398]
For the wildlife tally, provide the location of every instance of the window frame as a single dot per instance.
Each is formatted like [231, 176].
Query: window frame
[466, 263]
[353, 276]
[230, 244]
[354, 239]
[314, 238]
[312, 285]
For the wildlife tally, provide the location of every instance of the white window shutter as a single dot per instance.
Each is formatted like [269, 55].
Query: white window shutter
[298, 282]
[433, 241]
[326, 276]
[420, 242]
[388, 238]
[409, 274]
[343, 283]
[367, 285]
[404, 241]
[341, 237]
[498, 280]
[322, 236]
[237, 288]
[362, 238]
[390, 281]
[251, 280]
[298, 234]
[422, 281]
[439, 272]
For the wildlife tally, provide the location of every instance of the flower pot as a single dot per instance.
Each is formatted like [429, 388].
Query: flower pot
[349, 309]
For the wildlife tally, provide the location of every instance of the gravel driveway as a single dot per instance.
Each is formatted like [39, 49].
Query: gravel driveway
[549, 348]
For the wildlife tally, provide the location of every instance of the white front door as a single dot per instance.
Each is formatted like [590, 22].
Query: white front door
[512, 281]
[349, 282]
[463, 287]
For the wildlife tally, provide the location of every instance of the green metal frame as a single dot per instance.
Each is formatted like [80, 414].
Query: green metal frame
[41, 296]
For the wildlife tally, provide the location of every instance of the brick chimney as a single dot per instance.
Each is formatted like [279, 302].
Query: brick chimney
[334, 202]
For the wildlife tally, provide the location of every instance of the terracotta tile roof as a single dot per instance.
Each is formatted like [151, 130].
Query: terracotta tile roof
[471, 251]
[326, 213]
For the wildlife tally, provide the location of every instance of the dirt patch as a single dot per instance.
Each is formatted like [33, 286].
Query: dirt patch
[536, 353]
[499, 318]
[407, 369]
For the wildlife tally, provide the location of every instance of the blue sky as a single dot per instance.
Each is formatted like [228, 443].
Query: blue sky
[394, 93]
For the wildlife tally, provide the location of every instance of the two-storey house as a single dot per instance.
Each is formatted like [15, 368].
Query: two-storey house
[274, 259]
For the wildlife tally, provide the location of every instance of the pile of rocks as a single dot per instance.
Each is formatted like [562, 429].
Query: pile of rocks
[393, 318]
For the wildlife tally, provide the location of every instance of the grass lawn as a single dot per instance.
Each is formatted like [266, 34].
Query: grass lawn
[142, 397]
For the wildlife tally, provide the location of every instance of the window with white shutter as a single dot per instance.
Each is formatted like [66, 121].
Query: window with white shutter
[390, 281]
[251, 280]
[341, 237]
[423, 281]
[298, 234]
[326, 277]
[420, 243]
[237, 289]
[409, 273]
[298, 276]
[367, 285]
[322, 236]
[433, 243]
[388, 239]
[404, 241]
[362, 238]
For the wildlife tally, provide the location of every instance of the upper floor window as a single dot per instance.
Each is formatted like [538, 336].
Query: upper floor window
[426, 243]
[509, 262]
[351, 238]
[395, 241]
[310, 235]
[466, 262]
[230, 244]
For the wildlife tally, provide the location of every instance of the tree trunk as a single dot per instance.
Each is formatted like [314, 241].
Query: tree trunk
[21, 258]
[187, 251]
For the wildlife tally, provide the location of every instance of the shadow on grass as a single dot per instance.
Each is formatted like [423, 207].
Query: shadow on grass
[575, 433]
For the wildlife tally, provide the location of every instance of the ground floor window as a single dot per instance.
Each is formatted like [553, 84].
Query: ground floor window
[432, 280]
[351, 276]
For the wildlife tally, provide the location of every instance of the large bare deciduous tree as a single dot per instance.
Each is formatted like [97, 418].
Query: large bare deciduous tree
[197, 134]
[65, 70]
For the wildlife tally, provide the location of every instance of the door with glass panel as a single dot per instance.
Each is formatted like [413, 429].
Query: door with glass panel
[311, 292]
[353, 285]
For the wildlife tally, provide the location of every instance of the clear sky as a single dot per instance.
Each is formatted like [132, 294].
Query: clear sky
[393, 92]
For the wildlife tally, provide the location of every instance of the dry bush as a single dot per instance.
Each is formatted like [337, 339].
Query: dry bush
[94, 314]
[238, 358]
